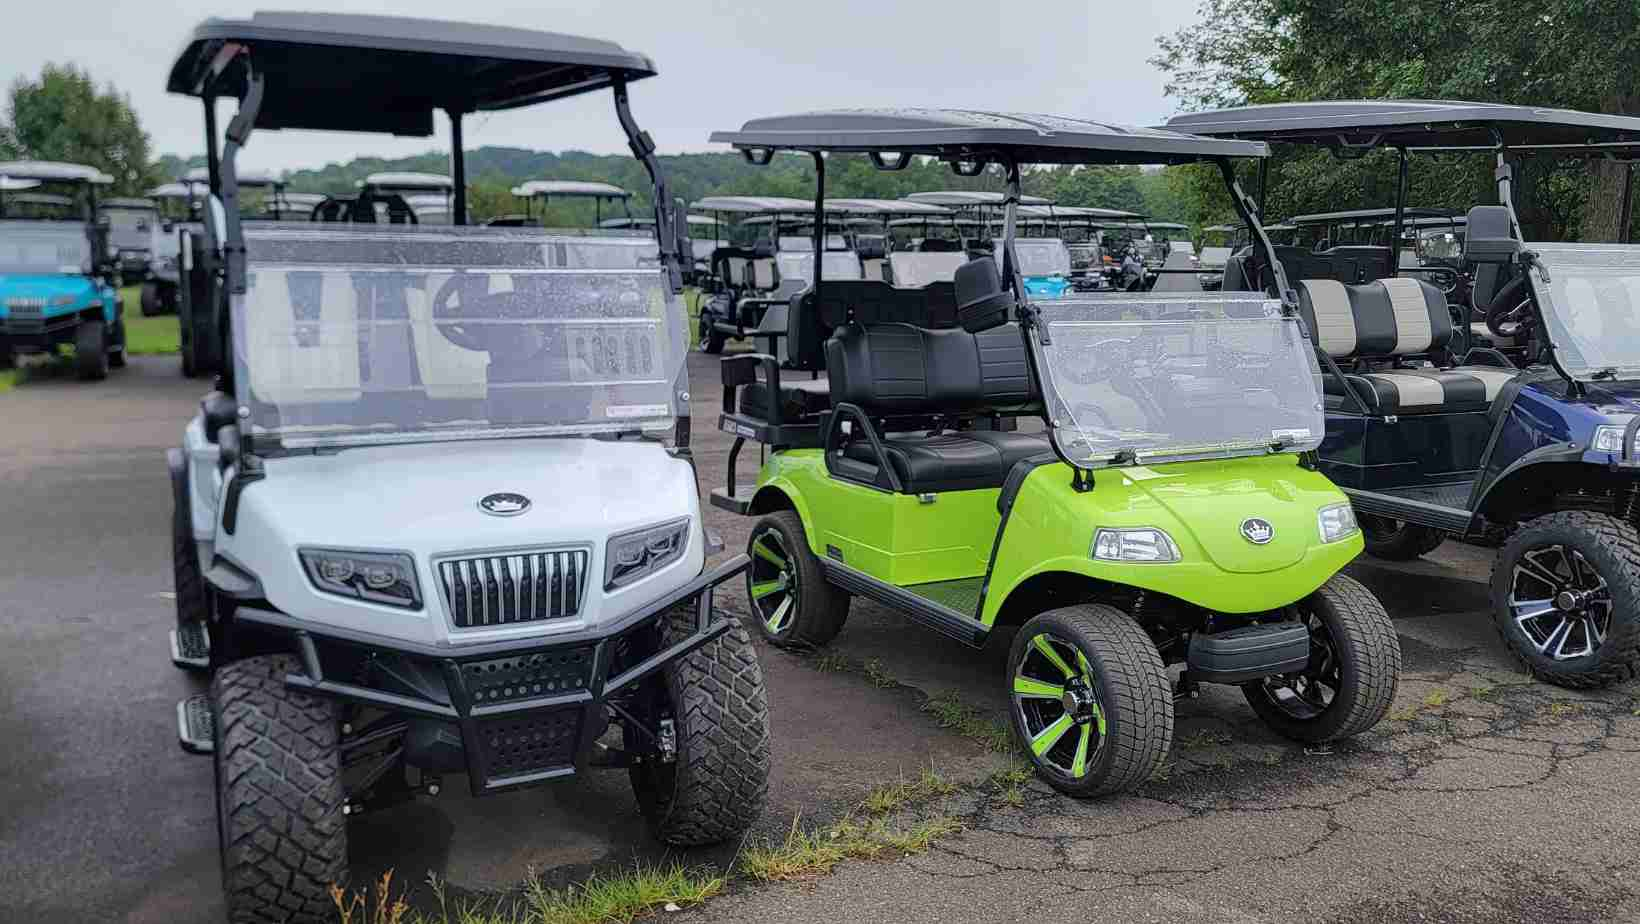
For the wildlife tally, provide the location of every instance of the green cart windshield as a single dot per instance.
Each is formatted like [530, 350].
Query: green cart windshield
[1591, 306]
[348, 336]
[1147, 378]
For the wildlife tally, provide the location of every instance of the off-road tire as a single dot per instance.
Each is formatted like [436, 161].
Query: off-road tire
[190, 368]
[1398, 540]
[716, 786]
[1369, 650]
[91, 350]
[1133, 689]
[820, 610]
[192, 603]
[279, 794]
[1613, 547]
[116, 347]
[152, 304]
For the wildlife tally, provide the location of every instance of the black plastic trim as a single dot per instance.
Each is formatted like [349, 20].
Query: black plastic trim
[945, 621]
[886, 478]
[1451, 519]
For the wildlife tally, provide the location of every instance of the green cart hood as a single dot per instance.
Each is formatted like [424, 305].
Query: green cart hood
[1211, 501]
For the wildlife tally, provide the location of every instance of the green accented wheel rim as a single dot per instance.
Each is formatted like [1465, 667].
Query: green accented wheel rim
[771, 581]
[1056, 700]
[1309, 693]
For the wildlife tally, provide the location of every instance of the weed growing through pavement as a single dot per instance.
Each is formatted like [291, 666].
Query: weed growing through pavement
[1437, 698]
[950, 712]
[895, 796]
[621, 897]
[878, 675]
[808, 854]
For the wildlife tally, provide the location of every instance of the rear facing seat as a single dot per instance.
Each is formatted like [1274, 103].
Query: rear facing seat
[1369, 328]
[900, 370]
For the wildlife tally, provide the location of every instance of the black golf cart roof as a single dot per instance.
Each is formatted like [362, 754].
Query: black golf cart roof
[348, 72]
[1368, 215]
[963, 134]
[1414, 124]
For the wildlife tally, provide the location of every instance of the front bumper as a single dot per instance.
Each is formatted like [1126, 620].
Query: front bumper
[527, 711]
[38, 333]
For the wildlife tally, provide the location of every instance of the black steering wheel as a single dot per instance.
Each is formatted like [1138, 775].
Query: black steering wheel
[1511, 312]
[505, 343]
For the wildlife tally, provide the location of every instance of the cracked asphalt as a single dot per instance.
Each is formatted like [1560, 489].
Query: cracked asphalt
[1484, 797]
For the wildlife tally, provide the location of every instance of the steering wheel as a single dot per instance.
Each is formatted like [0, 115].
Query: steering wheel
[508, 343]
[1512, 321]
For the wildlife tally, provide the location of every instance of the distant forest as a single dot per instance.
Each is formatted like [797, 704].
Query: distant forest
[492, 171]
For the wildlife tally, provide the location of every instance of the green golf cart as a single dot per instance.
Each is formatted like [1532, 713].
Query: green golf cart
[1166, 512]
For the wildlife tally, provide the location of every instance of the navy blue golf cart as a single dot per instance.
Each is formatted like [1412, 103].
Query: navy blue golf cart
[1434, 433]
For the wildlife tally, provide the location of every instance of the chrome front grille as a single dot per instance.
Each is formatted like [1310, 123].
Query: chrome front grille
[499, 590]
[26, 308]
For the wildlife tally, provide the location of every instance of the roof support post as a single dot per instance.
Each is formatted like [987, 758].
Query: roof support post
[1400, 213]
[1010, 219]
[1626, 214]
[1263, 186]
[1249, 212]
[819, 220]
[667, 213]
[213, 164]
[238, 135]
[458, 167]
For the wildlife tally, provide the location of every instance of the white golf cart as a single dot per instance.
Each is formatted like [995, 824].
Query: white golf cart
[440, 516]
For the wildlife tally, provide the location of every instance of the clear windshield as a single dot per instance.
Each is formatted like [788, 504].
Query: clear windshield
[128, 228]
[44, 248]
[1045, 256]
[1591, 305]
[349, 336]
[1149, 377]
[835, 264]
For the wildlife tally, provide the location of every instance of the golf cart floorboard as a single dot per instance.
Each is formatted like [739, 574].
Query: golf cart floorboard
[1442, 506]
[961, 595]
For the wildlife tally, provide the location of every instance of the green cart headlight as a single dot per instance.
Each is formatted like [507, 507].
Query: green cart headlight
[1337, 522]
[375, 577]
[1134, 545]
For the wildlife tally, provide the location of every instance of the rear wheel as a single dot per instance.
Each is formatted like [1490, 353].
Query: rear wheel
[152, 304]
[1355, 666]
[91, 350]
[793, 604]
[718, 779]
[1566, 596]
[279, 798]
[1091, 702]
[710, 340]
[116, 349]
[1397, 540]
[190, 368]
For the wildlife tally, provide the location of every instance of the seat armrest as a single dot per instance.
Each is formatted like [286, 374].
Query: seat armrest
[742, 370]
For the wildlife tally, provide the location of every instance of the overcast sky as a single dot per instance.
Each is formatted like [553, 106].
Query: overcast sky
[720, 63]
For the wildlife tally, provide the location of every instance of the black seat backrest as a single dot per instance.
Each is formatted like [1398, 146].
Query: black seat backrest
[1383, 318]
[904, 369]
[939, 245]
[871, 248]
[1357, 263]
[861, 301]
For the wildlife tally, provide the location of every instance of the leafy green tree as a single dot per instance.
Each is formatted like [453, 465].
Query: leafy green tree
[64, 116]
[1579, 54]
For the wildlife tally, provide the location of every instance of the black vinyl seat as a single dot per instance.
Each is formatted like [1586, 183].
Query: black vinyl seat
[961, 461]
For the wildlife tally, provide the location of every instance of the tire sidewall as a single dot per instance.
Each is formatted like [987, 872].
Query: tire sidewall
[1623, 583]
[811, 593]
[91, 349]
[1053, 623]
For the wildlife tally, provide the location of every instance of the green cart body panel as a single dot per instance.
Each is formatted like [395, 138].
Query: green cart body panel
[902, 540]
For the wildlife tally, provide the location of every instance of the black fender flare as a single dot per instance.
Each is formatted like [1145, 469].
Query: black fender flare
[177, 462]
[1543, 455]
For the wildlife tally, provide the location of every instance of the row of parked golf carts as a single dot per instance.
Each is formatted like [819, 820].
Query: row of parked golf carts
[440, 515]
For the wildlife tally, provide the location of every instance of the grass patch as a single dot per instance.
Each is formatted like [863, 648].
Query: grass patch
[1561, 710]
[809, 854]
[950, 712]
[832, 663]
[8, 380]
[1204, 738]
[1437, 698]
[878, 675]
[1404, 714]
[1010, 784]
[621, 897]
[895, 796]
[1482, 691]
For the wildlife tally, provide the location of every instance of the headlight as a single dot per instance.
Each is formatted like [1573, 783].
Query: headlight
[1134, 545]
[1337, 522]
[1610, 439]
[376, 577]
[641, 552]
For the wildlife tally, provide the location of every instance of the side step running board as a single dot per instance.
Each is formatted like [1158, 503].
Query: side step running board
[195, 731]
[944, 620]
[1451, 519]
[191, 647]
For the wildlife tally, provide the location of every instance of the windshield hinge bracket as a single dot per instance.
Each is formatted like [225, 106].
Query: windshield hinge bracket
[1081, 480]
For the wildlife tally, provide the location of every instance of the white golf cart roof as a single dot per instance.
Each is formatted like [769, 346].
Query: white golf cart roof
[1416, 124]
[752, 205]
[585, 189]
[53, 171]
[901, 207]
[246, 177]
[962, 198]
[33, 198]
[428, 181]
[300, 198]
[336, 69]
[1082, 211]
[127, 203]
[649, 221]
[934, 222]
[7, 184]
[171, 191]
[1167, 225]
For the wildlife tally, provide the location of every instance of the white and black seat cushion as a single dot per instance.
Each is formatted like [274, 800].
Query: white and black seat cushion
[1384, 321]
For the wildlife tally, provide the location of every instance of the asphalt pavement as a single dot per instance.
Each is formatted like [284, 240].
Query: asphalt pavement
[1485, 797]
